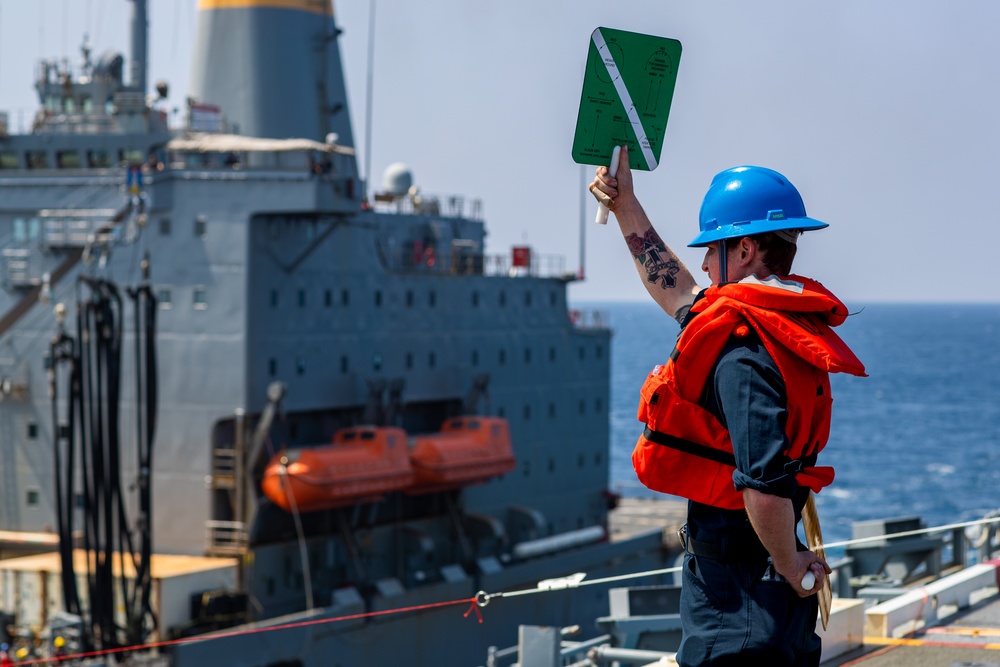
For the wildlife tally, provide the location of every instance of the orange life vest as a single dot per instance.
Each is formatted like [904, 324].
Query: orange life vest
[685, 450]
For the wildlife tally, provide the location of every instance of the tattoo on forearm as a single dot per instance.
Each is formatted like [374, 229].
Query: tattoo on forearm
[651, 252]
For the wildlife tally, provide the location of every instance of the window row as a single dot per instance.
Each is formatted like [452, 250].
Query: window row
[410, 298]
[409, 360]
[70, 158]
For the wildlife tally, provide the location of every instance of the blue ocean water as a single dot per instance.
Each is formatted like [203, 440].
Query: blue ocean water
[919, 437]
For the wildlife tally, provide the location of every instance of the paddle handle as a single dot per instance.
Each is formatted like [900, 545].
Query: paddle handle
[602, 210]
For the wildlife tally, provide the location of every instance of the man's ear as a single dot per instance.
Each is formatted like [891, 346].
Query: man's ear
[748, 249]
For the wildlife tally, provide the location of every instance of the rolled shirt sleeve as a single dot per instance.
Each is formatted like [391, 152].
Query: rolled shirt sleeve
[748, 397]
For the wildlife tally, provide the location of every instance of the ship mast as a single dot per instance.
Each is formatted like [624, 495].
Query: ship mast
[140, 31]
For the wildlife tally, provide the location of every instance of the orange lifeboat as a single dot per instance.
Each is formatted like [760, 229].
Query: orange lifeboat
[360, 465]
[467, 450]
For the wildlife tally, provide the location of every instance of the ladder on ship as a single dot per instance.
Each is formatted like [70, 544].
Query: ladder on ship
[232, 474]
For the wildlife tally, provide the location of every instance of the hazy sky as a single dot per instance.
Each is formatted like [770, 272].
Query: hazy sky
[883, 114]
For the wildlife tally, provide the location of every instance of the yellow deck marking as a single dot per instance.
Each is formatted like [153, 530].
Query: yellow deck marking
[892, 641]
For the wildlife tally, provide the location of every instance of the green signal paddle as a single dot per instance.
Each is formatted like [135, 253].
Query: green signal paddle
[627, 90]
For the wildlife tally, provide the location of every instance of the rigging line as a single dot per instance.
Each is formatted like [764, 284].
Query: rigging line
[910, 533]
[243, 633]
[483, 598]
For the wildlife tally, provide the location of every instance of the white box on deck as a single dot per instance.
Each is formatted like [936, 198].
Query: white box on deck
[26, 582]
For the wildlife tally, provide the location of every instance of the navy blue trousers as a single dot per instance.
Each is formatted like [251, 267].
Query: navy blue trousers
[730, 617]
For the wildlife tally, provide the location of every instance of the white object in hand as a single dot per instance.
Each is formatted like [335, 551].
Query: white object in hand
[602, 210]
[808, 581]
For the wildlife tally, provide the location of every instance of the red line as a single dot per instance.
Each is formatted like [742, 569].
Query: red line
[239, 633]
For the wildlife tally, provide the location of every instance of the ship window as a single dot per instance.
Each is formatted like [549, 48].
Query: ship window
[164, 226]
[475, 357]
[501, 412]
[32, 430]
[378, 298]
[345, 297]
[598, 405]
[99, 159]
[34, 229]
[300, 365]
[274, 298]
[527, 413]
[527, 355]
[302, 298]
[432, 299]
[527, 299]
[503, 357]
[68, 159]
[600, 351]
[132, 156]
[409, 298]
[553, 298]
[431, 359]
[552, 465]
[597, 458]
[343, 364]
[583, 353]
[37, 159]
[31, 497]
[272, 367]
[327, 298]
[583, 406]
[86, 103]
[475, 299]
[552, 354]
[377, 362]
[580, 461]
[200, 298]
[163, 296]
[8, 160]
[409, 360]
[20, 229]
[199, 225]
[64, 431]
[503, 298]
[527, 468]
[552, 410]
[69, 105]
[52, 103]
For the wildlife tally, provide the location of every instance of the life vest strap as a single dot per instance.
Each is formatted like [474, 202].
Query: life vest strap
[792, 467]
[689, 447]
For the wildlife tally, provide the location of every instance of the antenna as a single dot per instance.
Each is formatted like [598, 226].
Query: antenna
[368, 102]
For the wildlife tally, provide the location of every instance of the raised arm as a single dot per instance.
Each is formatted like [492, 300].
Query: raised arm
[666, 278]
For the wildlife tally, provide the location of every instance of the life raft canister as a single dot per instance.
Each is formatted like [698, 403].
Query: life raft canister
[684, 449]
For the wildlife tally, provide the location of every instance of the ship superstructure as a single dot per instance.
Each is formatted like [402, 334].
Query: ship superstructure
[293, 313]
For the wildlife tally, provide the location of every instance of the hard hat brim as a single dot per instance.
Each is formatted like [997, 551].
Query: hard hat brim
[751, 227]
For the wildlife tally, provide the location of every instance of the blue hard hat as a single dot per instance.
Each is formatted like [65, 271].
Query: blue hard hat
[750, 200]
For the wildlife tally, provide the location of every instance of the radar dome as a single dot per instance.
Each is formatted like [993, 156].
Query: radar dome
[397, 179]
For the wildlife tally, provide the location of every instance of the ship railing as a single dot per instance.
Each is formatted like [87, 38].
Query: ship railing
[69, 228]
[444, 206]
[226, 538]
[539, 266]
[71, 124]
[590, 318]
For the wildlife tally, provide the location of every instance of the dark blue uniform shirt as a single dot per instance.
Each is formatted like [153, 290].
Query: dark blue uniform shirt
[746, 393]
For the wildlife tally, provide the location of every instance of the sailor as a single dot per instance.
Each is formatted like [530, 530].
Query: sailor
[735, 418]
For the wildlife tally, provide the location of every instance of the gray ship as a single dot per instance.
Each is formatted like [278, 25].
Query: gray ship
[190, 317]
